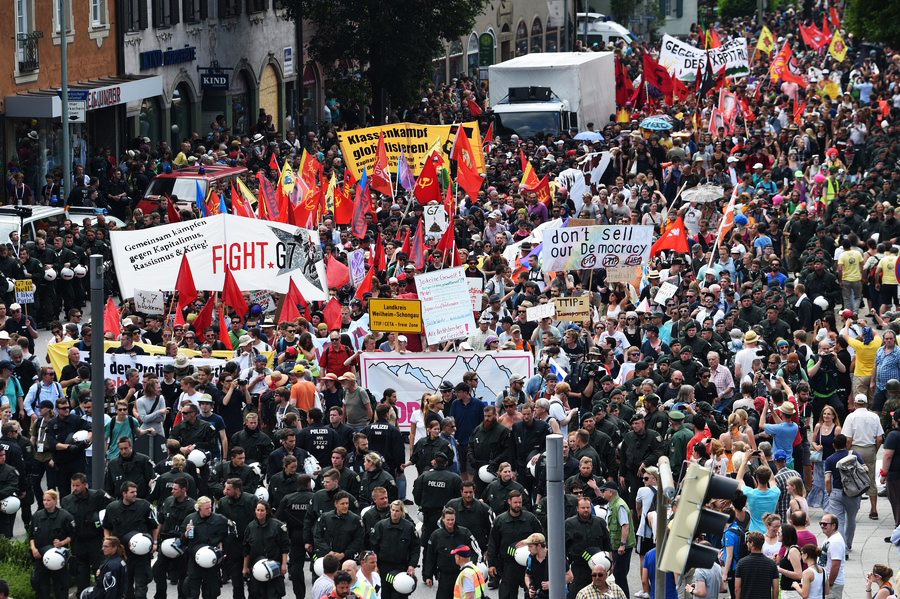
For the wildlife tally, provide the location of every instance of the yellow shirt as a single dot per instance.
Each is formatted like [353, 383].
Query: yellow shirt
[865, 356]
[888, 266]
[850, 261]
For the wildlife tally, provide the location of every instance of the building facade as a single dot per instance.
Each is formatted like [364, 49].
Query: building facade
[235, 58]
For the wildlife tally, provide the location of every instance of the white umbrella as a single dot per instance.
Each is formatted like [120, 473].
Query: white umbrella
[703, 194]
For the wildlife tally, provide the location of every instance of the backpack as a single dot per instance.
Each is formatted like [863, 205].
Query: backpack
[739, 547]
[854, 476]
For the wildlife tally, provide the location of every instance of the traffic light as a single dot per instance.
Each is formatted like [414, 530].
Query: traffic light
[691, 519]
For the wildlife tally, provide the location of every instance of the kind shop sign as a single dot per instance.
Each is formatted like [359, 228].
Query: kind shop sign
[599, 246]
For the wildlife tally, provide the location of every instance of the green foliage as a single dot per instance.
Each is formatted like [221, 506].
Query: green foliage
[874, 21]
[368, 48]
[16, 567]
[729, 9]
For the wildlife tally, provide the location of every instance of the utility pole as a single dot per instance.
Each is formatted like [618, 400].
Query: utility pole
[98, 443]
[64, 89]
[665, 492]
[556, 518]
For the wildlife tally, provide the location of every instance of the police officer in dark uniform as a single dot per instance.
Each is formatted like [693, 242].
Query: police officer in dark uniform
[385, 440]
[639, 447]
[318, 439]
[292, 511]
[433, 489]
[323, 500]
[9, 485]
[130, 465]
[496, 494]
[285, 482]
[256, 443]
[437, 561]
[162, 488]
[348, 479]
[288, 447]
[528, 436]
[12, 435]
[510, 527]
[68, 457]
[85, 505]
[194, 433]
[50, 527]
[396, 545]
[203, 527]
[125, 517]
[172, 513]
[472, 514]
[375, 476]
[235, 467]
[371, 515]
[338, 531]
[266, 538]
[237, 506]
[584, 530]
[488, 446]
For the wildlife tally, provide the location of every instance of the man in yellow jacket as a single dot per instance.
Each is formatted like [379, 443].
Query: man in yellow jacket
[470, 582]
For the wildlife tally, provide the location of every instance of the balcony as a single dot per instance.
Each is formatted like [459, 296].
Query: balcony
[27, 51]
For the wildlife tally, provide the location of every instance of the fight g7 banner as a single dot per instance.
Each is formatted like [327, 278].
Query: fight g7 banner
[684, 59]
[413, 374]
[416, 141]
[261, 254]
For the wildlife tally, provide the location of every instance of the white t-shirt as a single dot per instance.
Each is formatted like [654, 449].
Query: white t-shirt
[558, 412]
[418, 419]
[834, 548]
[645, 496]
[745, 358]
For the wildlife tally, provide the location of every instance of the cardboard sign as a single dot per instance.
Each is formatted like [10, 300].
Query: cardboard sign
[148, 301]
[540, 311]
[395, 315]
[446, 306]
[25, 291]
[476, 292]
[581, 222]
[622, 275]
[666, 290]
[574, 309]
[264, 299]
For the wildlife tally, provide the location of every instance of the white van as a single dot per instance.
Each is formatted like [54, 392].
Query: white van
[601, 28]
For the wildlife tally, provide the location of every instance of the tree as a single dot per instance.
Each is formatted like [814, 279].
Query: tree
[383, 49]
[874, 21]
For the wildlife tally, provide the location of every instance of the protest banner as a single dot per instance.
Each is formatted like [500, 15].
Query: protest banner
[148, 301]
[264, 299]
[540, 311]
[573, 309]
[683, 59]
[436, 221]
[446, 305]
[600, 246]
[476, 292]
[357, 261]
[359, 146]
[24, 291]
[260, 254]
[413, 374]
[116, 365]
[398, 315]
[666, 290]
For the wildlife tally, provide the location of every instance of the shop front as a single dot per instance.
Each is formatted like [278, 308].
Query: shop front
[33, 122]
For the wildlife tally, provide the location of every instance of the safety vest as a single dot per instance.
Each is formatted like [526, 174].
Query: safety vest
[469, 572]
[615, 527]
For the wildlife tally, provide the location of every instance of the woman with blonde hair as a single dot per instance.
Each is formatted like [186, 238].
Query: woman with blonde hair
[772, 536]
[821, 444]
[718, 462]
[797, 490]
[417, 427]
[736, 433]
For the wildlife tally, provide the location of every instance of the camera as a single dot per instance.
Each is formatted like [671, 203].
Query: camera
[242, 382]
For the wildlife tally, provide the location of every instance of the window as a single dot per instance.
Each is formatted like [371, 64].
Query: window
[23, 23]
[537, 35]
[27, 40]
[57, 19]
[229, 8]
[136, 15]
[98, 13]
[257, 6]
[165, 13]
[522, 39]
[194, 11]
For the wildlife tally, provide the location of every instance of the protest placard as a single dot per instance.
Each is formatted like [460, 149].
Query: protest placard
[476, 292]
[357, 260]
[397, 315]
[446, 305]
[574, 309]
[148, 301]
[24, 291]
[264, 299]
[599, 246]
[540, 311]
[436, 221]
[666, 290]
[622, 274]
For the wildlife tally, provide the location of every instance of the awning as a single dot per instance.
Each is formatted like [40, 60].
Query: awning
[102, 93]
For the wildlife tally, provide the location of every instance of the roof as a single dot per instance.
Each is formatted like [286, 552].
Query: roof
[212, 171]
[551, 59]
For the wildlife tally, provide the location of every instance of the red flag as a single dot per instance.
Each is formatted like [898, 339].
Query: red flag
[447, 240]
[381, 176]
[799, 109]
[784, 66]
[289, 311]
[542, 188]
[826, 32]
[679, 89]
[171, 211]
[379, 261]
[273, 164]
[528, 175]
[488, 136]
[239, 206]
[812, 37]
[179, 317]
[835, 20]
[336, 273]
[205, 317]
[473, 107]
[466, 169]
[111, 321]
[657, 76]
[343, 204]
[232, 296]
[417, 251]
[224, 337]
[184, 284]
[428, 186]
[274, 208]
[404, 247]
[362, 205]
[332, 314]
[624, 86]
[365, 286]
[674, 239]
[213, 204]
[309, 167]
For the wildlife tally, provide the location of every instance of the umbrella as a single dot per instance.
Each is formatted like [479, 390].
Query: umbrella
[703, 194]
[655, 123]
[589, 136]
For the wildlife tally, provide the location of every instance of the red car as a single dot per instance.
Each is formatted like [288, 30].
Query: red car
[181, 185]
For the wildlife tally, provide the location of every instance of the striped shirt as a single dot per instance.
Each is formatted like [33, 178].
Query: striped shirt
[784, 500]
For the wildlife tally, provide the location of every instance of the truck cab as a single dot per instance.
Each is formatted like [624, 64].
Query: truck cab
[601, 28]
[533, 112]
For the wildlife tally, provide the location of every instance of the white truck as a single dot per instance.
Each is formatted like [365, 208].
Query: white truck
[548, 93]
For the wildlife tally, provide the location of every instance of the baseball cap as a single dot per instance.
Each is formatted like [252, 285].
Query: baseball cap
[462, 550]
[780, 456]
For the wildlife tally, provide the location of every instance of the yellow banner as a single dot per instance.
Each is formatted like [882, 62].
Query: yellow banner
[766, 41]
[359, 145]
[399, 315]
[57, 353]
[837, 48]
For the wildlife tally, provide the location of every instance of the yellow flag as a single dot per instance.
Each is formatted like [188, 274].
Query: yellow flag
[766, 41]
[286, 182]
[329, 193]
[623, 116]
[837, 48]
[245, 192]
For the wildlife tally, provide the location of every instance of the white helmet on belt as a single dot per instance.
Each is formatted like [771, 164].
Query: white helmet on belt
[55, 558]
[10, 505]
[486, 475]
[208, 557]
[318, 566]
[521, 555]
[402, 582]
[67, 273]
[50, 274]
[262, 494]
[140, 543]
[80, 271]
[266, 569]
[198, 458]
[172, 548]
